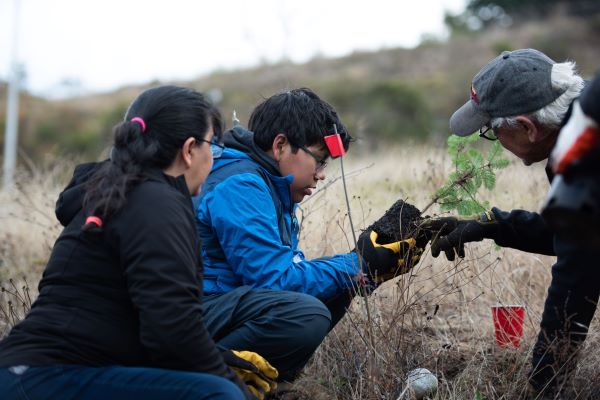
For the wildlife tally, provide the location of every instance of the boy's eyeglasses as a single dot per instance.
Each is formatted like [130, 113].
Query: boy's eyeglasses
[321, 163]
[488, 133]
[216, 148]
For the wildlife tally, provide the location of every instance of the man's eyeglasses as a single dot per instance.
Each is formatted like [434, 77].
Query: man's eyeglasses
[216, 148]
[321, 163]
[488, 133]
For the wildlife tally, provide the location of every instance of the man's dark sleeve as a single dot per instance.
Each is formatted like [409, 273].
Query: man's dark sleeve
[524, 230]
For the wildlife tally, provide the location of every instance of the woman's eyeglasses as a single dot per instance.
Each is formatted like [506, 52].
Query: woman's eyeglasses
[216, 148]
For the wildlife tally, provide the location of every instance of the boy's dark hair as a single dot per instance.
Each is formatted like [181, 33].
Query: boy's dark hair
[300, 114]
[170, 115]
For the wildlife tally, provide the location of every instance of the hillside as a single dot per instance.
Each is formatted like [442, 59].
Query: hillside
[387, 95]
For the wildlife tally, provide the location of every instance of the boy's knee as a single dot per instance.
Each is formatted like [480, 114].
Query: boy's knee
[312, 322]
[315, 329]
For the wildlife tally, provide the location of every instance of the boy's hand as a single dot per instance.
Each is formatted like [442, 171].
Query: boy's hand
[388, 260]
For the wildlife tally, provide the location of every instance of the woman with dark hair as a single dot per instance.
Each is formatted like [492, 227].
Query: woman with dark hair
[119, 311]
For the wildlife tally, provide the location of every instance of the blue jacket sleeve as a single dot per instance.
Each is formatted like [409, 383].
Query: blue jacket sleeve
[243, 216]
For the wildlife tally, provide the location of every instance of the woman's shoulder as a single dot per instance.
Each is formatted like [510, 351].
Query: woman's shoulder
[156, 201]
[161, 186]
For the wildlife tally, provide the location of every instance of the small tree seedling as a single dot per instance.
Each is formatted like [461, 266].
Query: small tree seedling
[472, 170]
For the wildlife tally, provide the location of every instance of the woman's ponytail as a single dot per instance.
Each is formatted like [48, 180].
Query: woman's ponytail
[156, 125]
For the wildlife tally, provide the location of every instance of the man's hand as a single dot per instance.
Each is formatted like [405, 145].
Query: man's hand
[386, 261]
[256, 372]
[454, 232]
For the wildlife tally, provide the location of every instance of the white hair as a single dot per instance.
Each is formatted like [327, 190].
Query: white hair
[564, 77]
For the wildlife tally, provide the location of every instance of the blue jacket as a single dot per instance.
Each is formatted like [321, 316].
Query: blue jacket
[249, 233]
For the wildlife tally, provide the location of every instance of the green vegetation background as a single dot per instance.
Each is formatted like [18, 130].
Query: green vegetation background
[388, 95]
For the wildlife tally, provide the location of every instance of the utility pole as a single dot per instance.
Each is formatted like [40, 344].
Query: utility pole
[12, 108]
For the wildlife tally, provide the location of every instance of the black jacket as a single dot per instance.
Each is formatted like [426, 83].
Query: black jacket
[572, 296]
[525, 230]
[129, 295]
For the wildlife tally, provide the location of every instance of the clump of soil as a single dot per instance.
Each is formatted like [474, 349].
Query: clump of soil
[400, 222]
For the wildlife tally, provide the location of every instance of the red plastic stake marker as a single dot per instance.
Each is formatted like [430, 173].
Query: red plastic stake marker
[334, 145]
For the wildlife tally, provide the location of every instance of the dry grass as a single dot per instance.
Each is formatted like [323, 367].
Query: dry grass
[28, 229]
[438, 317]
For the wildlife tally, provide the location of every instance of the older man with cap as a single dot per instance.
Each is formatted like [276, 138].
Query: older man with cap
[522, 99]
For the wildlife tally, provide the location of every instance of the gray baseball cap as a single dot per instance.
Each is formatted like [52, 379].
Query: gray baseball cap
[514, 83]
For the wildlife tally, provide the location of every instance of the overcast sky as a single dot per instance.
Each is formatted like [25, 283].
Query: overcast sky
[101, 45]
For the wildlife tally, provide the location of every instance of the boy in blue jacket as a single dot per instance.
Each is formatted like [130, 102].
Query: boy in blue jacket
[261, 293]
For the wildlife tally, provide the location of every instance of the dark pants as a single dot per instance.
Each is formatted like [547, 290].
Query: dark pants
[284, 327]
[114, 383]
[568, 310]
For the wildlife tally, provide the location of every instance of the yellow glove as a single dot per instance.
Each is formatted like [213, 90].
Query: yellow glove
[256, 372]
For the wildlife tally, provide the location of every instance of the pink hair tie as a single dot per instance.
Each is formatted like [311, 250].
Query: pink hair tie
[94, 220]
[139, 121]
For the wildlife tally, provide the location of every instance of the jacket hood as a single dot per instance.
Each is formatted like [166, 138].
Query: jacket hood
[242, 140]
[70, 201]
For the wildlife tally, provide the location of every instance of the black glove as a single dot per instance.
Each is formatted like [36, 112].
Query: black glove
[454, 232]
[386, 261]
